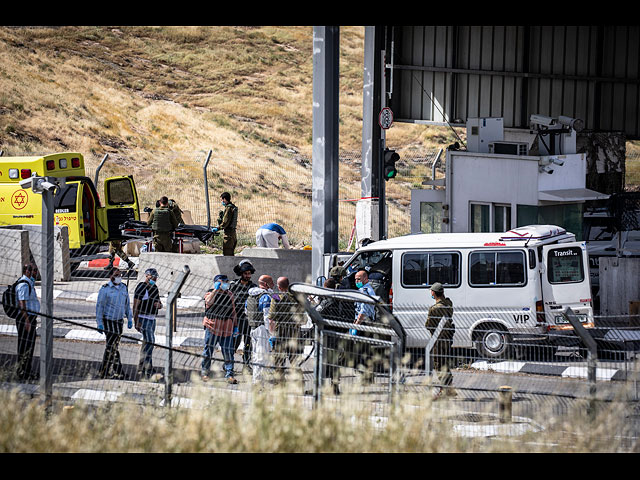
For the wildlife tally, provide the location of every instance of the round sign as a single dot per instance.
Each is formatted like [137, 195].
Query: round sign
[385, 118]
[19, 199]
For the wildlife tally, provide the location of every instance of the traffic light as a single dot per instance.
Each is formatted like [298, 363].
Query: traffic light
[390, 158]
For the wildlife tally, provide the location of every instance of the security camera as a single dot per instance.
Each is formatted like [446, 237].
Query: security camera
[557, 161]
[574, 123]
[542, 120]
[545, 169]
[40, 184]
[26, 183]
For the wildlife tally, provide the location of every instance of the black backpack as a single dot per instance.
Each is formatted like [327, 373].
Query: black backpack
[9, 300]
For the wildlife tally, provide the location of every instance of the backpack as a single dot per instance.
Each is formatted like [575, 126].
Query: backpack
[254, 315]
[10, 301]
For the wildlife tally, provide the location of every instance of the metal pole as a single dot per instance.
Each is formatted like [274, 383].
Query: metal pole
[325, 151]
[320, 339]
[170, 318]
[431, 343]
[46, 308]
[104, 159]
[592, 355]
[206, 187]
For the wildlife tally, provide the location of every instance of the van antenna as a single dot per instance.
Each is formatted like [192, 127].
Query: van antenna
[528, 240]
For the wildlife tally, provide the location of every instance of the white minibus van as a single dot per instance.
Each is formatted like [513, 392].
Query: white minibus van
[505, 287]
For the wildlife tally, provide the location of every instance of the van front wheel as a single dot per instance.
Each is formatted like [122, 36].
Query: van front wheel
[492, 341]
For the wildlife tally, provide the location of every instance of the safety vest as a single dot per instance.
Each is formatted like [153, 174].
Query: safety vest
[161, 220]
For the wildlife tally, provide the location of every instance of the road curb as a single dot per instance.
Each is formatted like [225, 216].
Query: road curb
[565, 371]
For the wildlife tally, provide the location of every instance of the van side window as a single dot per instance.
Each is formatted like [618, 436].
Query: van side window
[490, 268]
[424, 269]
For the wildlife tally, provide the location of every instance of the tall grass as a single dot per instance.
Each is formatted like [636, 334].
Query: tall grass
[278, 422]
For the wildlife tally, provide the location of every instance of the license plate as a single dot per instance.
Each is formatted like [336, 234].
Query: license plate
[561, 319]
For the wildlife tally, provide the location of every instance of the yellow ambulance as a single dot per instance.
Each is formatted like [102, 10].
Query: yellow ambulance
[77, 205]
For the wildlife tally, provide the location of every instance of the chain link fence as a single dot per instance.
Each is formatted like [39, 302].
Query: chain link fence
[265, 190]
[303, 338]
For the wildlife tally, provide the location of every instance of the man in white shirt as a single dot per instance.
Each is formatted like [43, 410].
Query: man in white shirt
[270, 235]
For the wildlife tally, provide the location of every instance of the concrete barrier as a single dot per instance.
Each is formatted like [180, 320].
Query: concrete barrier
[14, 244]
[61, 263]
[14, 252]
[294, 264]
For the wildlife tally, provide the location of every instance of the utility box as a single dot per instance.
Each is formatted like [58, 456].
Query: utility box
[483, 131]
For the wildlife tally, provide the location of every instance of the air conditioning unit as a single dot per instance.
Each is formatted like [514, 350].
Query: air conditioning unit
[509, 148]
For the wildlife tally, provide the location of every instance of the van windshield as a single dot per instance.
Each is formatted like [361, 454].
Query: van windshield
[378, 260]
[564, 265]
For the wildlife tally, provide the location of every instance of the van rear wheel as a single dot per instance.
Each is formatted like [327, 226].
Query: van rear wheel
[492, 341]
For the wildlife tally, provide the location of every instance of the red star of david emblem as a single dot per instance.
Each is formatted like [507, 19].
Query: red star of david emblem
[19, 199]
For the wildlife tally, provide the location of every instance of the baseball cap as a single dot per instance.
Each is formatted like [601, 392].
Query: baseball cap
[437, 287]
[220, 278]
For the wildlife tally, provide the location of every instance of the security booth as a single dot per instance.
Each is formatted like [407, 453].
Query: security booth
[507, 179]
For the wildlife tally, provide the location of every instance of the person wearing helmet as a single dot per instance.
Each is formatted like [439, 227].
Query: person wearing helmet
[146, 303]
[240, 288]
[442, 352]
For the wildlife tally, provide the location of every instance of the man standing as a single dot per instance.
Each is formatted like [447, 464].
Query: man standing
[240, 289]
[146, 303]
[163, 223]
[442, 352]
[111, 307]
[228, 225]
[115, 248]
[269, 236]
[365, 314]
[26, 321]
[220, 323]
[285, 319]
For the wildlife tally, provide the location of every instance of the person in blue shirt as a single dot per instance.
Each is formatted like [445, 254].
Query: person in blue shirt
[365, 314]
[26, 321]
[269, 236]
[112, 306]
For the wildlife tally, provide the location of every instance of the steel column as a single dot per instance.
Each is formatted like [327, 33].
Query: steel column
[324, 218]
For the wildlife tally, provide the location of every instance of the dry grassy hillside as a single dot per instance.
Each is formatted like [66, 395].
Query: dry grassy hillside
[149, 95]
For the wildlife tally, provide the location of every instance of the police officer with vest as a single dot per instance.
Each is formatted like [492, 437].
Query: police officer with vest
[227, 223]
[163, 223]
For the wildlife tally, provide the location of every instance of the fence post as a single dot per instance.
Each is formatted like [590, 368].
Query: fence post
[431, 343]
[46, 275]
[320, 339]
[97, 174]
[504, 405]
[592, 353]
[206, 188]
[170, 319]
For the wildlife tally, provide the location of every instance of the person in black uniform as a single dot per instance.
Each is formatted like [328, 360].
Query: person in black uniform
[146, 303]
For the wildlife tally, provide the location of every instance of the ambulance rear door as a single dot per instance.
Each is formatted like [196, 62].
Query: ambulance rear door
[66, 214]
[121, 203]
